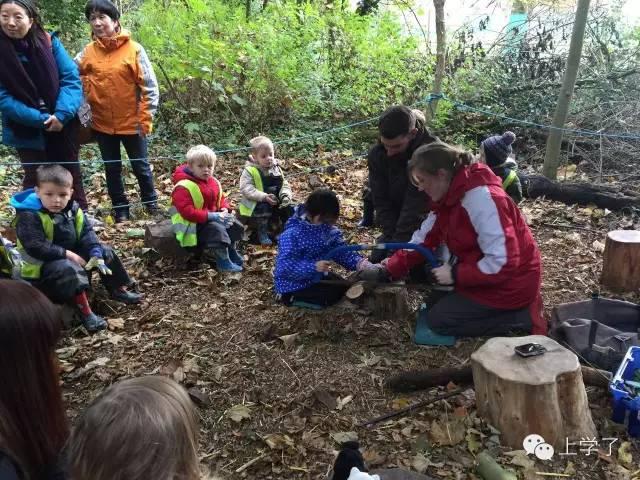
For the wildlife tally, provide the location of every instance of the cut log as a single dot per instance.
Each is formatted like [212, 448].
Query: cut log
[161, 238]
[355, 291]
[542, 395]
[534, 186]
[391, 303]
[422, 379]
[621, 263]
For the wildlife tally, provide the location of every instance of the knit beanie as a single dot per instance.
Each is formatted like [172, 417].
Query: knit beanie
[498, 148]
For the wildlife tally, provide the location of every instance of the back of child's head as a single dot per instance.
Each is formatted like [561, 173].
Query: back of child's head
[396, 121]
[138, 429]
[497, 148]
[33, 425]
[56, 174]
[202, 155]
[260, 142]
[323, 202]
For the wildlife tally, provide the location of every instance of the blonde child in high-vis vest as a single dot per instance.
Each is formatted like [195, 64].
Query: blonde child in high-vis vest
[201, 214]
[266, 194]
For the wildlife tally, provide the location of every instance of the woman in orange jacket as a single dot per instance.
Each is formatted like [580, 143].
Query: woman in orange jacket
[122, 90]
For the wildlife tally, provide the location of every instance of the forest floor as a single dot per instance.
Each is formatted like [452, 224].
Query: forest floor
[279, 387]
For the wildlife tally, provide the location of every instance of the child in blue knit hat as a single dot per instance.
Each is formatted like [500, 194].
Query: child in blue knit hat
[302, 263]
[495, 152]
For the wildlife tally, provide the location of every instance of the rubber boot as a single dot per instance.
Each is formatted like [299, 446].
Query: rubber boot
[223, 263]
[263, 231]
[93, 322]
[367, 214]
[425, 336]
[234, 256]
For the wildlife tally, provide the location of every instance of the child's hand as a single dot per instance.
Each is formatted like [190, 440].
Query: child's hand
[224, 210]
[74, 257]
[323, 266]
[271, 199]
[98, 263]
[285, 201]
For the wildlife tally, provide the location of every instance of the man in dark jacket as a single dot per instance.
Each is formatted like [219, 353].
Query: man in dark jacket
[399, 206]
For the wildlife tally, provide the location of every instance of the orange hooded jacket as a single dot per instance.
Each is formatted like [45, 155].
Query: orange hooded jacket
[119, 84]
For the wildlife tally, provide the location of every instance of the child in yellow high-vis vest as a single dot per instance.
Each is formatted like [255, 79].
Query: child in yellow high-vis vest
[495, 152]
[201, 214]
[58, 245]
[266, 194]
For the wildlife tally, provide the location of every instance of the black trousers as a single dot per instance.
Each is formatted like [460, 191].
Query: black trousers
[457, 315]
[215, 235]
[320, 294]
[61, 280]
[273, 215]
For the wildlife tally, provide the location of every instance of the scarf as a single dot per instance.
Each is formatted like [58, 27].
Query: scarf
[35, 83]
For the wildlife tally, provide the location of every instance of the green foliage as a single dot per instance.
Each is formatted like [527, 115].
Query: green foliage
[226, 78]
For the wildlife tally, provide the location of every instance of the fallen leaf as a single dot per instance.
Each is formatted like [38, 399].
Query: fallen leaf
[98, 362]
[114, 339]
[343, 401]
[239, 412]
[115, 323]
[447, 433]
[473, 442]
[420, 463]
[289, 340]
[373, 458]
[521, 459]
[342, 437]
[598, 246]
[278, 441]
[400, 403]
[624, 454]
[191, 365]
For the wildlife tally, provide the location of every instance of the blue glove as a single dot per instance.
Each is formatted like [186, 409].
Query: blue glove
[224, 219]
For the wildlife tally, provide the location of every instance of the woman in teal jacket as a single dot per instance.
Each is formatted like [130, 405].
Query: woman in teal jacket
[40, 93]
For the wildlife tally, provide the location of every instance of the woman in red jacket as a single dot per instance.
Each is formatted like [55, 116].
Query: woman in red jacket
[492, 260]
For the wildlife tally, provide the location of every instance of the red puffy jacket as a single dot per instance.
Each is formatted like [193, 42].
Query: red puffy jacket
[214, 199]
[498, 261]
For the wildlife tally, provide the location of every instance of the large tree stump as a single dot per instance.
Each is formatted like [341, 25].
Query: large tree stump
[621, 264]
[161, 238]
[390, 303]
[541, 395]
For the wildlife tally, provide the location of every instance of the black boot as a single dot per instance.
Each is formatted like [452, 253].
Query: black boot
[367, 214]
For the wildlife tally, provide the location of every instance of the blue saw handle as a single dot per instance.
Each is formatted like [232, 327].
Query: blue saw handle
[426, 253]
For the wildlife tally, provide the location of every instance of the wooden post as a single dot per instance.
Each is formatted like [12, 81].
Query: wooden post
[542, 395]
[621, 263]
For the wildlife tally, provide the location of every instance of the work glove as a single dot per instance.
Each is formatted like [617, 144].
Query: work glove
[356, 474]
[285, 201]
[98, 263]
[224, 219]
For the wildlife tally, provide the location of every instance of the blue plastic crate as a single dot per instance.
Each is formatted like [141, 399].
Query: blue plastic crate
[626, 407]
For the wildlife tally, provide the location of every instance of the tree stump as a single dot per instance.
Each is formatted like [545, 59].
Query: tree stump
[161, 238]
[621, 263]
[390, 303]
[542, 395]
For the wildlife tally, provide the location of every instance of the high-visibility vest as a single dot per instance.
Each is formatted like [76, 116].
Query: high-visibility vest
[32, 267]
[186, 231]
[246, 206]
[10, 260]
[509, 180]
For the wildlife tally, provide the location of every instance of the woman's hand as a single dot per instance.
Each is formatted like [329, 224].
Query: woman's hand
[74, 257]
[443, 274]
[323, 265]
[53, 124]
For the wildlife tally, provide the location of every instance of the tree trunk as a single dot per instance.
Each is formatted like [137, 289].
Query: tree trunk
[542, 395]
[552, 155]
[534, 186]
[247, 9]
[621, 263]
[441, 51]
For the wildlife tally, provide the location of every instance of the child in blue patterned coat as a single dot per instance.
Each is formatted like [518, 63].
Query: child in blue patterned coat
[302, 248]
